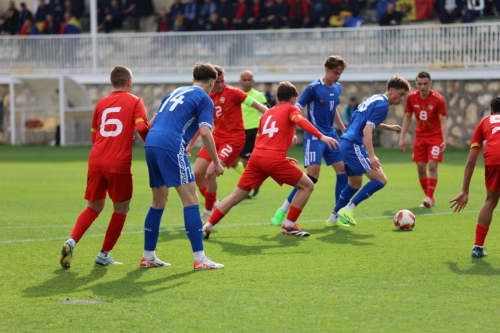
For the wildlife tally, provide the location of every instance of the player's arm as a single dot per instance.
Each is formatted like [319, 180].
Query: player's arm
[444, 131]
[338, 120]
[192, 142]
[461, 200]
[404, 130]
[209, 143]
[368, 141]
[386, 127]
[249, 101]
[309, 128]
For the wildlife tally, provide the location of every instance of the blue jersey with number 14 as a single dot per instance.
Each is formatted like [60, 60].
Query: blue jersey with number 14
[181, 113]
[372, 111]
[322, 102]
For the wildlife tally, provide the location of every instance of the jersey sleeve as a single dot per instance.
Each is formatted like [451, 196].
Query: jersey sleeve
[442, 107]
[378, 115]
[262, 99]
[94, 119]
[239, 96]
[140, 114]
[478, 135]
[206, 112]
[408, 107]
[306, 97]
[293, 111]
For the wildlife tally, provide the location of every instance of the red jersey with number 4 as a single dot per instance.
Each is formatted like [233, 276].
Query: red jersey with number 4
[114, 121]
[488, 129]
[276, 131]
[427, 111]
[228, 118]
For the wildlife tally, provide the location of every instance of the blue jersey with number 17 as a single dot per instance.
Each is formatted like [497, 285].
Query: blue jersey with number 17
[322, 102]
[372, 111]
[181, 113]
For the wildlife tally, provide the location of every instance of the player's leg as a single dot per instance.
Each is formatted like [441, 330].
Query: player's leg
[421, 158]
[334, 158]
[95, 194]
[435, 156]
[201, 164]
[193, 226]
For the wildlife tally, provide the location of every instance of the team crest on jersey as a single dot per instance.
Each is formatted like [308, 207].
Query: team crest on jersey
[321, 100]
[222, 99]
[431, 107]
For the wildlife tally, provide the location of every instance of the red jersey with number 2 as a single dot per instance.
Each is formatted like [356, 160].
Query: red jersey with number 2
[488, 129]
[113, 122]
[228, 118]
[276, 131]
[427, 111]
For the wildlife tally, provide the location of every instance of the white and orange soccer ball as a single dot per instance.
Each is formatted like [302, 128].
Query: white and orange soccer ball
[404, 220]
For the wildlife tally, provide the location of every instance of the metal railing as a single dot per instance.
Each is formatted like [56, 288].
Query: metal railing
[368, 48]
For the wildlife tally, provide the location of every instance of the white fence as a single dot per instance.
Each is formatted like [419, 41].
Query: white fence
[368, 48]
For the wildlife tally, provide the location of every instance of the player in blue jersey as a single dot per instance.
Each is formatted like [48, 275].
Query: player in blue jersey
[322, 98]
[357, 150]
[182, 112]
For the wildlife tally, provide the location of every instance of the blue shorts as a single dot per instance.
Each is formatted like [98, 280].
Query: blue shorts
[314, 150]
[356, 159]
[167, 168]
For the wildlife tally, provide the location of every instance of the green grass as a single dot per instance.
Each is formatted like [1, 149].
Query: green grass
[368, 278]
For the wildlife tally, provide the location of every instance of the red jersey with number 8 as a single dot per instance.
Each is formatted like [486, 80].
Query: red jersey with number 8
[427, 111]
[488, 130]
[276, 131]
[113, 122]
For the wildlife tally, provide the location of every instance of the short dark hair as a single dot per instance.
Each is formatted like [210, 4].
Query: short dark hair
[219, 70]
[424, 75]
[119, 76]
[398, 82]
[285, 91]
[335, 61]
[495, 105]
[203, 71]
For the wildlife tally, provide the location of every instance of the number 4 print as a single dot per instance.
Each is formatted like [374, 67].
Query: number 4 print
[271, 129]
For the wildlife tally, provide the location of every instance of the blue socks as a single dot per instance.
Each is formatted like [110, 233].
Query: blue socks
[367, 191]
[193, 226]
[340, 185]
[152, 228]
[344, 197]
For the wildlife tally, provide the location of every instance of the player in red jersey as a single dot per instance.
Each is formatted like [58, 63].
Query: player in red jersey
[114, 121]
[431, 133]
[274, 137]
[229, 135]
[487, 130]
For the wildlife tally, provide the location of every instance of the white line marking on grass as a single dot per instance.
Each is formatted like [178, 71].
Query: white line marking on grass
[224, 225]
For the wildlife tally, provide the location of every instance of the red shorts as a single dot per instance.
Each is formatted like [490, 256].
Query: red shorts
[119, 186]
[492, 177]
[427, 149]
[260, 168]
[228, 152]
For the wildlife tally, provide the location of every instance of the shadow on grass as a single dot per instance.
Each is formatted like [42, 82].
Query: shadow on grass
[415, 210]
[479, 267]
[343, 235]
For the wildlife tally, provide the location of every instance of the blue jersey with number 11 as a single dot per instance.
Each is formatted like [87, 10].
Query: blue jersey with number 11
[372, 111]
[180, 115]
[322, 102]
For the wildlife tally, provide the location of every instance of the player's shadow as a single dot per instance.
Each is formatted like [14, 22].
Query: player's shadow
[64, 282]
[172, 234]
[479, 267]
[345, 235]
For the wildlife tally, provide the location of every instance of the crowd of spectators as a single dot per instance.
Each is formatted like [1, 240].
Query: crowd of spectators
[63, 17]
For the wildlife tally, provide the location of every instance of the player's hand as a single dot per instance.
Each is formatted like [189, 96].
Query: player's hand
[292, 160]
[375, 163]
[402, 144]
[331, 142]
[460, 202]
[396, 128]
[294, 140]
[442, 146]
[219, 169]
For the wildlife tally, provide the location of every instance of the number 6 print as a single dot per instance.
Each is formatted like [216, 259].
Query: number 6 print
[104, 122]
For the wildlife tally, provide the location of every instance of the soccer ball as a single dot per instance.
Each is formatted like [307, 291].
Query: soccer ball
[404, 220]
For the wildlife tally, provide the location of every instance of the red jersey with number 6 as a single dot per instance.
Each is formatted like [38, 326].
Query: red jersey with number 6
[488, 130]
[114, 122]
[228, 118]
[276, 131]
[427, 111]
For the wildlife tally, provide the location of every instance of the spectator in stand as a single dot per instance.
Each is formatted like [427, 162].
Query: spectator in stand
[256, 15]
[42, 11]
[10, 18]
[346, 14]
[473, 9]
[299, 13]
[278, 14]
[24, 14]
[162, 25]
[71, 25]
[269, 94]
[191, 15]
[319, 13]
[102, 6]
[114, 17]
[49, 27]
[206, 9]
[179, 23]
[448, 10]
[29, 27]
[214, 24]
[57, 7]
[134, 9]
[424, 8]
[489, 7]
[225, 9]
[239, 18]
[70, 7]
[176, 8]
[381, 8]
[391, 17]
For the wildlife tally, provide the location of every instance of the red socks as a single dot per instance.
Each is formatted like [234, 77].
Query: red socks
[84, 221]
[114, 231]
[293, 214]
[481, 233]
[217, 215]
[203, 191]
[423, 184]
[210, 198]
[431, 187]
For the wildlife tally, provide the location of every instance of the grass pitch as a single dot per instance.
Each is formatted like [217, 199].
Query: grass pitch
[368, 278]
